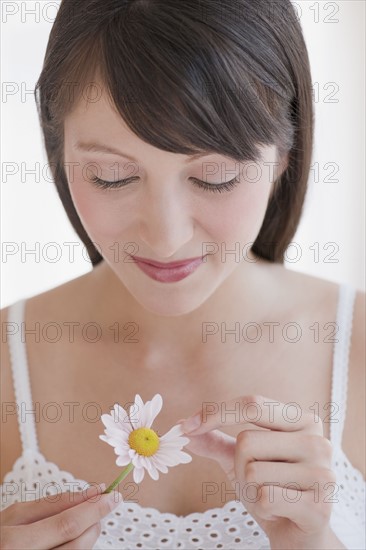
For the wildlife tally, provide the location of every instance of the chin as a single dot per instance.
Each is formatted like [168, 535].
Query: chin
[170, 302]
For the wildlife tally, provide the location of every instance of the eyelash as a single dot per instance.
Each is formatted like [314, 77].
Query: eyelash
[218, 188]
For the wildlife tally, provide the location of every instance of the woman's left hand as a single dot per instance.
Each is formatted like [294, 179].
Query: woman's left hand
[282, 474]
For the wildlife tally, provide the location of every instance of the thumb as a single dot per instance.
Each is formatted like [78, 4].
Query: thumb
[40, 508]
[215, 445]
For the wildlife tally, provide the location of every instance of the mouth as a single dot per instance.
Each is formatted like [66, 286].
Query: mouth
[167, 265]
[169, 272]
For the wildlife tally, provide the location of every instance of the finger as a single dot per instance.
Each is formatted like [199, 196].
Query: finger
[257, 447]
[215, 445]
[86, 540]
[69, 524]
[254, 445]
[34, 510]
[286, 475]
[255, 409]
[301, 507]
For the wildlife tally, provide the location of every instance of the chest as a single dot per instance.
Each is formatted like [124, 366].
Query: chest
[292, 366]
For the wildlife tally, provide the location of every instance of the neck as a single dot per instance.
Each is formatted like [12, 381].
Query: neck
[247, 295]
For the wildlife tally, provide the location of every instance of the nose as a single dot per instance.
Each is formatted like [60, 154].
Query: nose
[166, 222]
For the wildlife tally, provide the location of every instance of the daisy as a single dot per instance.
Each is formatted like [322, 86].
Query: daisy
[138, 445]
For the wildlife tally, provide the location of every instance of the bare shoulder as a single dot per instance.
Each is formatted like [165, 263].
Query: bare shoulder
[354, 443]
[11, 446]
[54, 303]
[307, 293]
[321, 296]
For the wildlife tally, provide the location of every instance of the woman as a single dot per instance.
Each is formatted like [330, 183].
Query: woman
[182, 133]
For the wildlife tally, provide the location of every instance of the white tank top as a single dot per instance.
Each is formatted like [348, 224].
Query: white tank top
[131, 526]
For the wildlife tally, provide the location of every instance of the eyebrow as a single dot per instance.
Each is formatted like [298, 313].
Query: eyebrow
[92, 147]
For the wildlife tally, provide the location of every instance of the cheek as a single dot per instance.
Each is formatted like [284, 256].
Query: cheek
[240, 215]
[103, 215]
[226, 217]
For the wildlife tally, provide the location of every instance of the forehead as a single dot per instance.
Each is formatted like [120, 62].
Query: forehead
[97, 114]
[96, 121]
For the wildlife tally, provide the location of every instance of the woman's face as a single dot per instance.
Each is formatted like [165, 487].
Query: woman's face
[161, 214]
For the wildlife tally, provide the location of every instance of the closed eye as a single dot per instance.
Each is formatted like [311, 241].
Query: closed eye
[217, 187]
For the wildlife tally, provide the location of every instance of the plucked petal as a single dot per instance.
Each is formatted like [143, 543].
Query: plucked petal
[175, 430]
[185, 457]
[174, 435]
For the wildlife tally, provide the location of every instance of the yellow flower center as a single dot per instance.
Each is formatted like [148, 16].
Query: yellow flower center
[144, 441]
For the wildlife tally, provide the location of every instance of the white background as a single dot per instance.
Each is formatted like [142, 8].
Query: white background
[334, 212]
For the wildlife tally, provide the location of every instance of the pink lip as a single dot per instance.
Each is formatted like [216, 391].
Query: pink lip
[168, 265]
[170, 272]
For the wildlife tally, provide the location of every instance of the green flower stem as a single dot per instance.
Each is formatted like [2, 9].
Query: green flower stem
[122, 475]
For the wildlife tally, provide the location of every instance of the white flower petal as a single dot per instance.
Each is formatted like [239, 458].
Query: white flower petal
[108, 440]
[169, 460]
[174, 434]
[118, 427]
[159, 466]
[119, 414]
[185, 457]
[137, 461]
[122, 450]
[115, 440]
[170, 446]
[141, 461]
[176, 430]
[142, 412]
[145, 461]
[164, 469]
[152, 470]
[132, 453]
[173, 458]
[138, 474]
[114, 427]
[123, 460]
[152, 409]
[108, 421]
[136, 412]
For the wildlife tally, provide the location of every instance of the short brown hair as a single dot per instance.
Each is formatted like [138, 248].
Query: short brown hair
[187, 77]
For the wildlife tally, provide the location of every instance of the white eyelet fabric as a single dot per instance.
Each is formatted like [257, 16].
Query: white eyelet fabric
[131, 526]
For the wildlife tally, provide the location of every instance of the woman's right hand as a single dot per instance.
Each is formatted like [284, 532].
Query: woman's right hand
[73, 521]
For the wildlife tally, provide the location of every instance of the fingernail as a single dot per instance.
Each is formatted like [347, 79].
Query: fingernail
[192, 423]
[114, 498]
[102, 486]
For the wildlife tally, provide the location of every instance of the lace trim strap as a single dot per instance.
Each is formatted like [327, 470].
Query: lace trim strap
[20, 374]
[341, 352]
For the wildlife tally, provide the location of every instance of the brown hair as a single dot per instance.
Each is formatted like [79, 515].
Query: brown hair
[188, 77]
